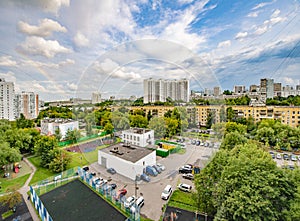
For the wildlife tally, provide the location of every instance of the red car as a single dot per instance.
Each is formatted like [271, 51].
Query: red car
[122, 192]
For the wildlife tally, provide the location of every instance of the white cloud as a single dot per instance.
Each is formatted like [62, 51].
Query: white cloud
[261, 30]
[7, 61]
[38, 64]
[252, 14]
[45, 28]
[54, 5]
[39, 46]
[72, 86]
[262, 4]
[9, 77]
[182, 2]
[275, 13]
[80, 40]
[241, 35]
[224, 44]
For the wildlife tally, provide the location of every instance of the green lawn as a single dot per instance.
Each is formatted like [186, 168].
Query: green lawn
[5, 183]
[41, 173]
[182, 200]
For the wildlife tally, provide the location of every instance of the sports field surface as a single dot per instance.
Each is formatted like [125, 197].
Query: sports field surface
[77, 202]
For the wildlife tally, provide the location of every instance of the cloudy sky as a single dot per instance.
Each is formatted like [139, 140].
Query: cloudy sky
[71, 48]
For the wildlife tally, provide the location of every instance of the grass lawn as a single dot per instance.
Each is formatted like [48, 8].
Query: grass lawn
[5, 183]
[41, 173]
[182, 200]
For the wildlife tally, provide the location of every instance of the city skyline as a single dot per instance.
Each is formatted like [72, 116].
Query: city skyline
[67, 49]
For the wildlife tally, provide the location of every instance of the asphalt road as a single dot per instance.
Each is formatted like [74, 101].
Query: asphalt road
[196, 155]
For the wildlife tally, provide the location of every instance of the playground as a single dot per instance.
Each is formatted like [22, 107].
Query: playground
[75, 201]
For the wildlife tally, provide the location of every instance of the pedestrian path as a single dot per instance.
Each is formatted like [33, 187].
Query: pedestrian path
[23, 190]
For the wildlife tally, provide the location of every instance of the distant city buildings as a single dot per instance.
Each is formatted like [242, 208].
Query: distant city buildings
[13, 104]
[7, 100]
[96, 98]
[161, 89]
[49, 126]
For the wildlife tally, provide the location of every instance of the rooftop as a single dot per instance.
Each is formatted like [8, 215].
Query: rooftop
[127, 152]
[57, 120]
[137, 130]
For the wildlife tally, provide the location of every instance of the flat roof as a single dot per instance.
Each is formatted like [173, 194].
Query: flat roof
[137, 130]
[127, 152]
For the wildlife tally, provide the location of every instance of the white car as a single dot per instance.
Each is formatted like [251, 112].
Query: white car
[162, 167]
[137, 205]
[129, 201]
[185, 187]
[166, 193]
[278, 156]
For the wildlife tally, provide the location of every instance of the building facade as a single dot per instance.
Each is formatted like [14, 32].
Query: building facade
[138, 136]
[160, 89]
[96, 98]
[27, 103]
[7, 100]
[49, 126]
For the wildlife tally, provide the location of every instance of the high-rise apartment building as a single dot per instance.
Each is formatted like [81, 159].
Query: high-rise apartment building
[7, 95]
[160, 90]
[266, 88]
[27, 103]
[217, 91]
[239, 89]
[277, 89]
[96, 98]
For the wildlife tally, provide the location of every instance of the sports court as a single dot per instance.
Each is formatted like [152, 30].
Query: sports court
[75, 201]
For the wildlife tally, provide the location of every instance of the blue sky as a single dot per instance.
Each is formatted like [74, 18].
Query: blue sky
[62, 49]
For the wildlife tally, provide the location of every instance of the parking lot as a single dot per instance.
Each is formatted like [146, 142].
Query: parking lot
[284, 159]
[196, 155]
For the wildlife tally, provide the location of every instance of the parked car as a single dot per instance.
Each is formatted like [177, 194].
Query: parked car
[272, 155]
[85, 168]
[145, 177]
[113, 186]
[129, 201]
[186, 169]
[286, 156]
[278, 156]
[150, 171]
[166, 193]
[185, 187]
[137, 205]
[162, 167]
[111, 170]
[293, 158]
[188, 176]
[157, 168]
[122, 191]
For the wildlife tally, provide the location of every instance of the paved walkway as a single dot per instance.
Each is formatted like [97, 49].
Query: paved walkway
[23, 190]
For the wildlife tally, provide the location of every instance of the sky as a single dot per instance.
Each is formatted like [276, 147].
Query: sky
[64, 49]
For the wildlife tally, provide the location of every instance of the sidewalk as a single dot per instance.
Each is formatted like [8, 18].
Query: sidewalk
[23, 190]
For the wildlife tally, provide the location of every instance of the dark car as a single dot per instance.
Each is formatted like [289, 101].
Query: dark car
[111, 170]
[185, 170]
[113, 186]
[188, 176]
[286, 156]
[145, 177]
[86, 168]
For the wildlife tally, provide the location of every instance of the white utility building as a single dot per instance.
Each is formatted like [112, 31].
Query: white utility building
[50, 125]
[138, 136]
[127, 160]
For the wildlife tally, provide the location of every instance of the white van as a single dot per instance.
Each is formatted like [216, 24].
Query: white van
[138, 204]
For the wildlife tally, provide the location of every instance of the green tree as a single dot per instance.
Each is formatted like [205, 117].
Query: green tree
[232, 139]
[12, 197]
[158, 125]
[43, 149]
[8, 155]
[109, 128]
[230, 114]
[59, 160]
[138, 121]
[22, 122]
[73, 135]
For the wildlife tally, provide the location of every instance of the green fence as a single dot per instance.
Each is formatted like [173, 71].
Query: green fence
[81, 139]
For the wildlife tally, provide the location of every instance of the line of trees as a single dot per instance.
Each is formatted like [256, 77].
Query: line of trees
[243, 182]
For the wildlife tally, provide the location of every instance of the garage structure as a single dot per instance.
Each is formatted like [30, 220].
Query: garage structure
[127, 159]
